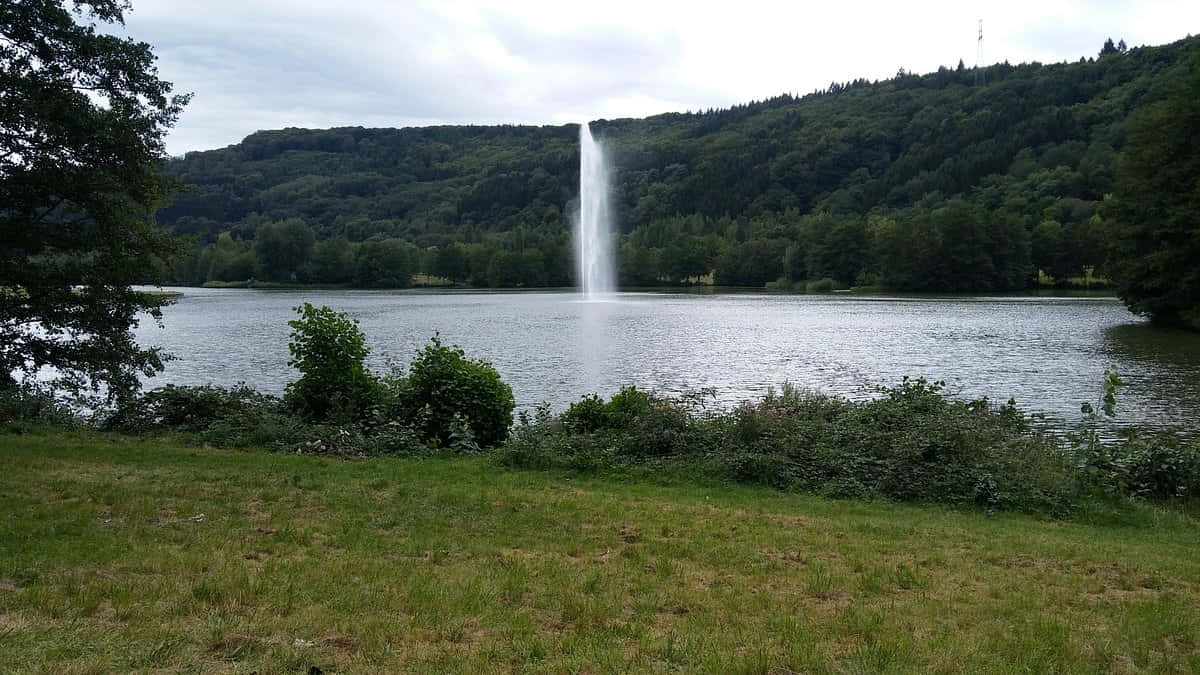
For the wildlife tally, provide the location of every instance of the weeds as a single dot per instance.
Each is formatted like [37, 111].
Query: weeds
[912, 443]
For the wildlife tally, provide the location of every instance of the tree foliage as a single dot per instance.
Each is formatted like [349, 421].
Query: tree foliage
[444, 390]
[1155, 211]
[82, 120]
[328, 349]
[281, 249]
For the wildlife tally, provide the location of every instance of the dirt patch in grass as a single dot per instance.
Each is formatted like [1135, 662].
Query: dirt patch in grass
[236, 646]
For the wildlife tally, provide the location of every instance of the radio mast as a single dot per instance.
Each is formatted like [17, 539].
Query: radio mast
[979, 55]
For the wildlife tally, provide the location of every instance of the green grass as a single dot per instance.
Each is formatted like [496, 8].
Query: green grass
[453, 565]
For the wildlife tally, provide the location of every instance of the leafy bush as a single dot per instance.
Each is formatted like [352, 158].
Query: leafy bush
[235, 417]
[192, 409]
[586, 415]
[337, 407]
[1161, 467]
[911, 444]
[591, 413]
[825, 285]
[239, 417]
[445, 395]
[22, 404]
[328, 349]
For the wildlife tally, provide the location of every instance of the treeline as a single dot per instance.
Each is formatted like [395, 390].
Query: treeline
[955, 246]
[951, 245]
[288, 251]
[961, 179]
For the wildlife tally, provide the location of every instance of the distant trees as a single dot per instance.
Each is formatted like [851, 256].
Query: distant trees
[332, 262]
[282, 248]
[750, 263]
[383, 263]
[937, 182]
[451, 263]
[1154, 215]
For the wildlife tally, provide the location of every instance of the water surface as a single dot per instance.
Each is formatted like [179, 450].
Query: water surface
[1047, 353]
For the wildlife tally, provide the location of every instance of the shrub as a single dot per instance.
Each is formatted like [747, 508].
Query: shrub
[1158, 466]
[1161, 466]
[446, 394]
[586, 415]
[784, 284]
[591, 413]
[22, 404]
[910, 444]
[825, 285]
[328, 349]
[192, 409]
[233, 417]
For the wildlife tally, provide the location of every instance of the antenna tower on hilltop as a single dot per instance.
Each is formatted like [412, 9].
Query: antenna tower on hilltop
[979, 55]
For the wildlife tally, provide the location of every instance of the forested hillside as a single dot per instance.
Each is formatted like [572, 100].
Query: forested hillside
[961, 179]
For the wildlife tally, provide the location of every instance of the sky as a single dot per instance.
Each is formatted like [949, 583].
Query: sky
[269, 64]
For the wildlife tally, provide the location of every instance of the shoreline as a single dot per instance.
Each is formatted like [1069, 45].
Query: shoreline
[860, 292]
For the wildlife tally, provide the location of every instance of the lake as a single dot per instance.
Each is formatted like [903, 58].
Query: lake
[1049, 353]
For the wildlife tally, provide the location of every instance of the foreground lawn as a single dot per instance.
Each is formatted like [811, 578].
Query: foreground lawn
[119, 554]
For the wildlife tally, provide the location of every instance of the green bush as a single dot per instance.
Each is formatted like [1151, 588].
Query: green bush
[825, 285]
[451, 400]
[785, 284]
[591, 413]
[233, 417]
[586, 415]
[22, 404]
[239, 417]
[337, 407]
[1158, 467]
[192, 409]
[328, 349]
[1162, 467]
[910, 444]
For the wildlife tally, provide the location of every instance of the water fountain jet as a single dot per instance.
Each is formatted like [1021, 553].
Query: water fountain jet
[593, 238]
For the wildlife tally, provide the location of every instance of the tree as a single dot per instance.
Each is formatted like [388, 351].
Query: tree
[752, 263]
[332, 262]
[282, 248]
[230, 260]
[328, 349]
[1154, 214]
[451, 263]
[82, 121]
[383, 263]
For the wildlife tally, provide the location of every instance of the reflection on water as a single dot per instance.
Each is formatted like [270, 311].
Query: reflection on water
[1162, 365]
[1047, 352]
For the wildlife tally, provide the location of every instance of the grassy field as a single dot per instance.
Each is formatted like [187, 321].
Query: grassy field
[119, 554]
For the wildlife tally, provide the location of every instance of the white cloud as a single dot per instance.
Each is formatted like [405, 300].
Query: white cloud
[264, 64]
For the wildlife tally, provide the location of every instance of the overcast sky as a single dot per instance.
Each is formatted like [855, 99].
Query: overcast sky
[268, 64]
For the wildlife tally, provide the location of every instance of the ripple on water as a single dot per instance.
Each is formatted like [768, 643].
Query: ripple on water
[1048, 353]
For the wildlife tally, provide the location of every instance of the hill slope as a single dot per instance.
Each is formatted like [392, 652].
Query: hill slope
[959, 179]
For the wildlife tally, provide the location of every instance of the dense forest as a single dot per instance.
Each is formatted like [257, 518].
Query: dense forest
[959, 180]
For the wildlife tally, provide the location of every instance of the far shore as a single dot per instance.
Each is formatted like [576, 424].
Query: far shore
[697, 289]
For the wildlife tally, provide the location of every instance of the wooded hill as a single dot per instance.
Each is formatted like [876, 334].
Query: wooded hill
[961, 179]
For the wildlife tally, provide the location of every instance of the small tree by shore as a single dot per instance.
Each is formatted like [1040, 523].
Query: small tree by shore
[328, 349]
